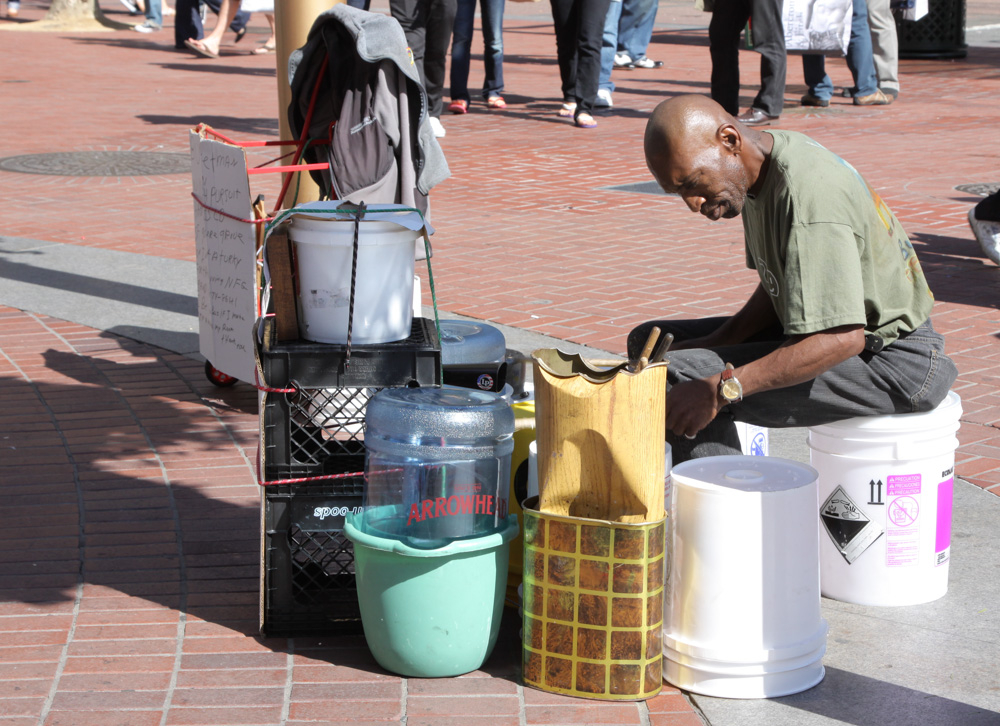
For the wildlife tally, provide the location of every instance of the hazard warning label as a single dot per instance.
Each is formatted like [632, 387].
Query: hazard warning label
[850, 529]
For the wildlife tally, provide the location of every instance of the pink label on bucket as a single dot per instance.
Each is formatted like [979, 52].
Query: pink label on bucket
[901, 484]
[944, 499]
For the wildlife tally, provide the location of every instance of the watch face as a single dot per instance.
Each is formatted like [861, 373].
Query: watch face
[731, 390]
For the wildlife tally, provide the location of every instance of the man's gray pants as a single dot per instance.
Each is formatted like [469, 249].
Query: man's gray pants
[909, 376]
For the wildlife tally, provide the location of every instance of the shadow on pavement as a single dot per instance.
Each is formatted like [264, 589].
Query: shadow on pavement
[93, 287]
[957, 270]
[850, 698]
[253, 126]
[117, 481]
[207, 65]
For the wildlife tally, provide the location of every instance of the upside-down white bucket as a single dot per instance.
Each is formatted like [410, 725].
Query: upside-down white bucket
[383, 297]
[742, 605]
[886, 485]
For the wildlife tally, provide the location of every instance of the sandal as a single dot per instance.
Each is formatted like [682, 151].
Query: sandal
[584, 121]
[458, 106]
[567, 109]
[496, 102]
[200, 48]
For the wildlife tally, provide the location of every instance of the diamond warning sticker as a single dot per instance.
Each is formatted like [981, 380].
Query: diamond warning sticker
[850, 529]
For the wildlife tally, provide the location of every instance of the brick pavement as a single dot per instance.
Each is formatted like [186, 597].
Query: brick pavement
[129, 559]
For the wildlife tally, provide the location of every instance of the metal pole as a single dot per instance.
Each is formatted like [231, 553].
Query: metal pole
[292, 21]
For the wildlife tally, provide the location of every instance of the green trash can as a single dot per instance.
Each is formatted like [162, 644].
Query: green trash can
[431, 613]
[939, 34]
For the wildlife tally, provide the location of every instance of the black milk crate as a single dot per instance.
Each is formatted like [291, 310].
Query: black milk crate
[415, 361]
[307, 584]
[307, 429]
[312, 431]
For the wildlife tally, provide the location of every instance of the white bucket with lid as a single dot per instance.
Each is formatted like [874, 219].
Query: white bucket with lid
[885, 498]
[383, 297]
[742, 604]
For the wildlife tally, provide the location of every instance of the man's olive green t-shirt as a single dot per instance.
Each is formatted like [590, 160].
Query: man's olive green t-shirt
[828, 250]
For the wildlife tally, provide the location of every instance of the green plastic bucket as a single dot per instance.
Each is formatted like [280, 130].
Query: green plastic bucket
[430, 613]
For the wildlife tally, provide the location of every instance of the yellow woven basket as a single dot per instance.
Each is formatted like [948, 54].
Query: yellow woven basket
[593, 606]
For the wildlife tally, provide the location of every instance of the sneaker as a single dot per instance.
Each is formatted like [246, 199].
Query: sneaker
[623, 61]
[603, 98]
[874, 99]
[131, 6]
[437, 127]
[146, 27]
[648, 63]
[987, 234]
[13, 8]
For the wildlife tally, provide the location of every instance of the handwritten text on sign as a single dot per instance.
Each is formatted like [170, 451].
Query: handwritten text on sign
[226, 254]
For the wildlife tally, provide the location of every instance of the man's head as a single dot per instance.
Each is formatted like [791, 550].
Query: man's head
[697, 150]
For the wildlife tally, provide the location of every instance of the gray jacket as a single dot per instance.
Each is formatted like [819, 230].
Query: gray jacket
[382, 146]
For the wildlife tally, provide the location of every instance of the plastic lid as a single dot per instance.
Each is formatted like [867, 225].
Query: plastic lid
[745, 473]
[464, 342]
[451, 414]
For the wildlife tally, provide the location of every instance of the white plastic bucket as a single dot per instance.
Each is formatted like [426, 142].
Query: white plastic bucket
[383, 297]
[742, 605]
[885, 485]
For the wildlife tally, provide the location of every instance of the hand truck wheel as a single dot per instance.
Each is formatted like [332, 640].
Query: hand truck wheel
[217, 377]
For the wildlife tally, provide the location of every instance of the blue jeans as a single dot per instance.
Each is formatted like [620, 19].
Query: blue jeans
[609, 46]
[911, 375]
[461, 46]
[860, 60]
[635, 29]
[154, 13]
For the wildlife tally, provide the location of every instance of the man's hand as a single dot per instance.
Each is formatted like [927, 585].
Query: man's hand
[692, 405]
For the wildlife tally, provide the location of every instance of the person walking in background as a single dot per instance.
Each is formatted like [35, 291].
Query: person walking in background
[428, 25]
[188, 24]
[635, 31]
[267, 8]
[209, 45]
[859, 59]
[491, 12]
[579, 28]
[728, 19]
[885, 46]
[609, 56]
[154, 18]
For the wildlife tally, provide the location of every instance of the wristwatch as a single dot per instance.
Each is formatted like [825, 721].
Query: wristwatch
[730, 388]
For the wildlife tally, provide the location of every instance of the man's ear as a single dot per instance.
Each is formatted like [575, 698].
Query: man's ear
[729, 136]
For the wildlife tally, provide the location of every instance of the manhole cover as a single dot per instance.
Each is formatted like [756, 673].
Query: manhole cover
[983, 189]
[100, 163]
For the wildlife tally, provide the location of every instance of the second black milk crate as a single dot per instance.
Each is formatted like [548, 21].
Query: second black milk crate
[307, 568]
[312, 432]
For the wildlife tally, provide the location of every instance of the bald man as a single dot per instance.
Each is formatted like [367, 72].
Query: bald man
[838, 325]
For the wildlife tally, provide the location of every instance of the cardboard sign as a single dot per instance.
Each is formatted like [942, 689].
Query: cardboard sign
[226, 256]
